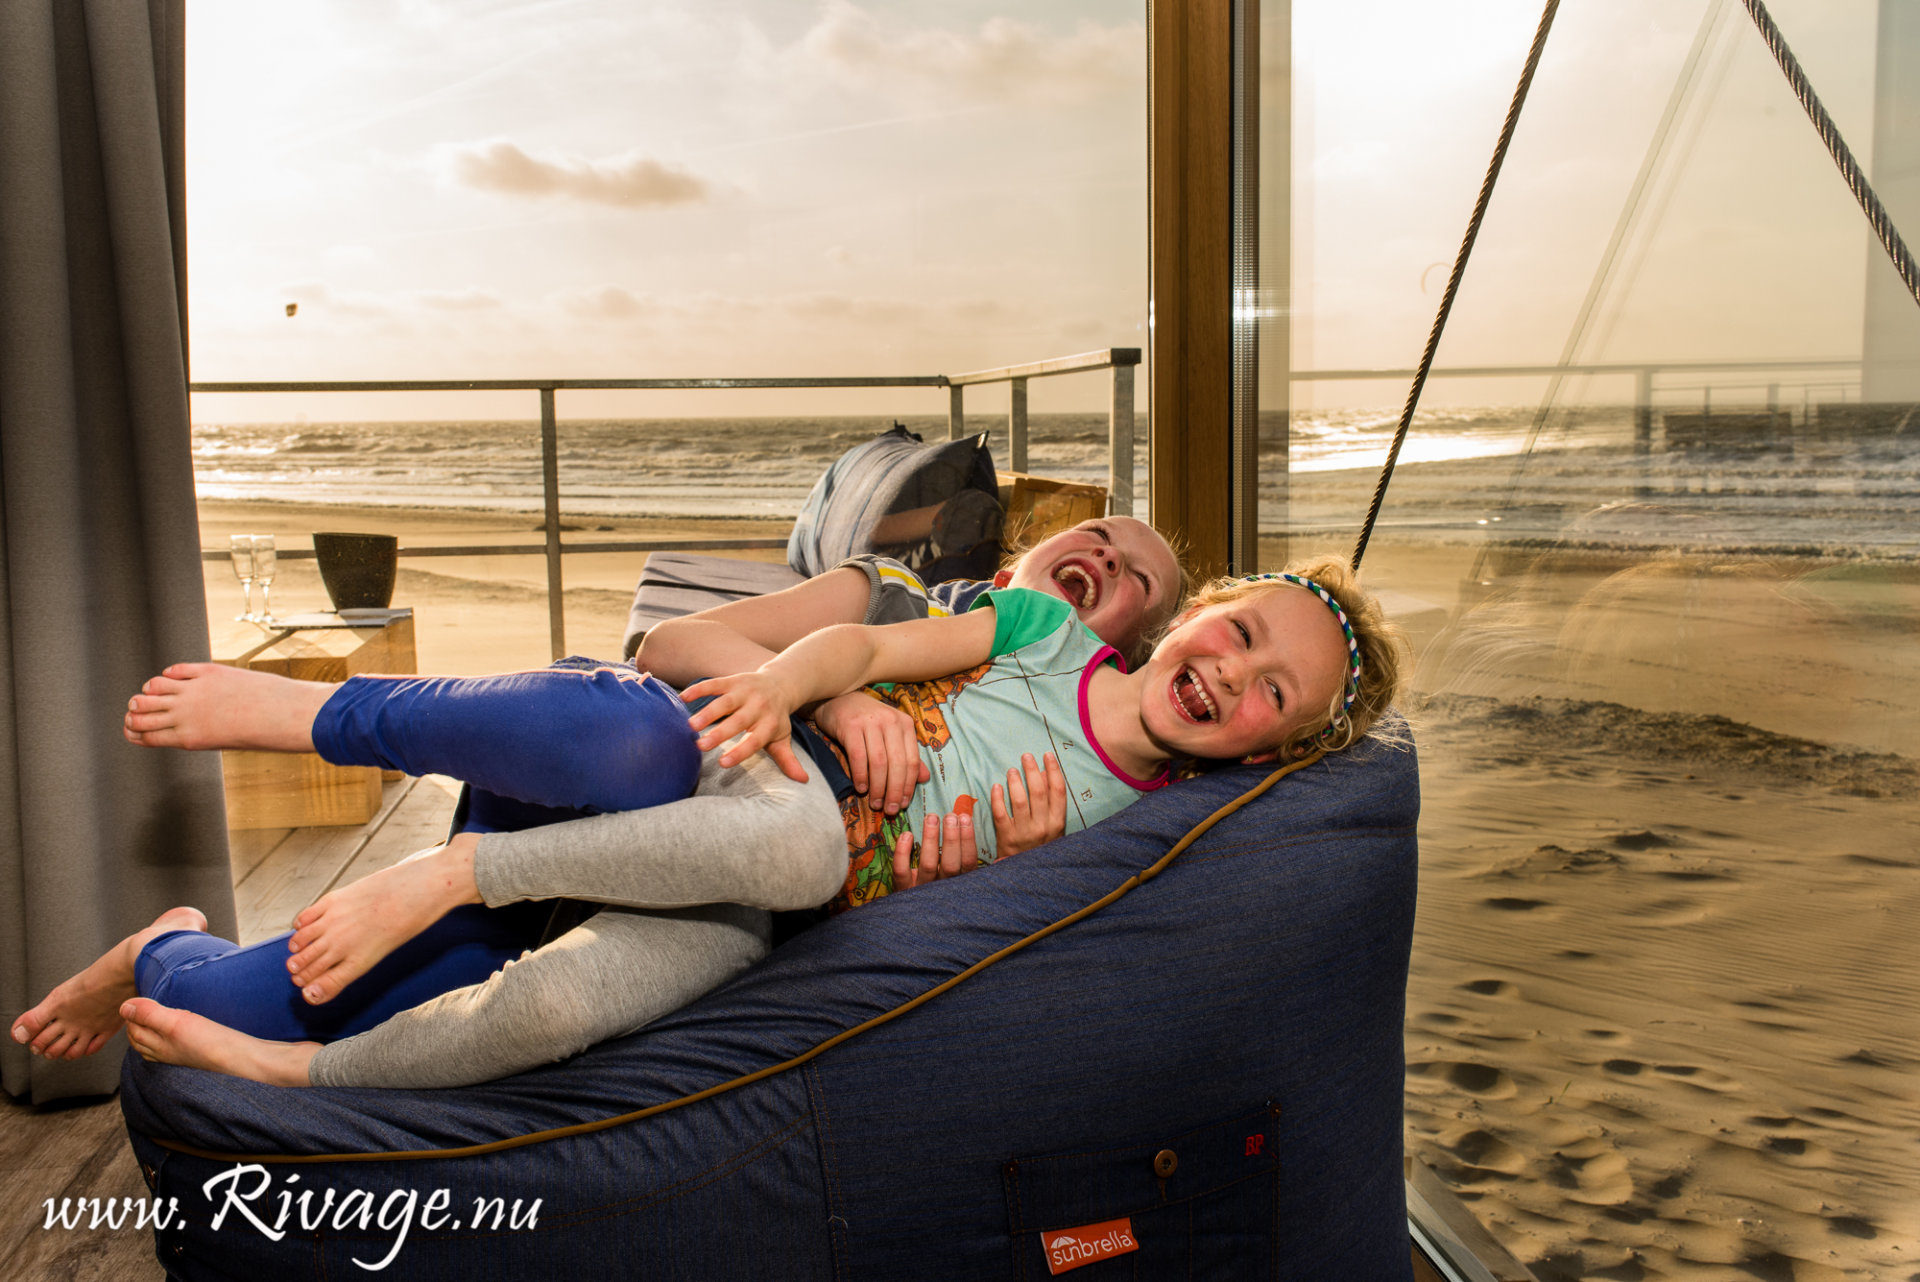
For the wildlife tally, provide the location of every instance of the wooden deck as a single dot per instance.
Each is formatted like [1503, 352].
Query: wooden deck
[76, 1150]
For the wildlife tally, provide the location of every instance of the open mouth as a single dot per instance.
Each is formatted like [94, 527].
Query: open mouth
[1081, 589]
[1192, 699]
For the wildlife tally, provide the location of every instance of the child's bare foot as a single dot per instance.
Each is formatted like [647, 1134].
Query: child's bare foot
[342, 935]
[210, 705]
[82, 1014]
[181, 1037]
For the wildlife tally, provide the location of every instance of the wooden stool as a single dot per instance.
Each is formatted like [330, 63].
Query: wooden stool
[299, 790]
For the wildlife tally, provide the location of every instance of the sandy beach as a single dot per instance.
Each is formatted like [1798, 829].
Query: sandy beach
[1662, 1021]
[1662, 1014]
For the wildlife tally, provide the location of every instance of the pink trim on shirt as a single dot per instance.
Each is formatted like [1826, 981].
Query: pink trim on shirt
[1106, 652]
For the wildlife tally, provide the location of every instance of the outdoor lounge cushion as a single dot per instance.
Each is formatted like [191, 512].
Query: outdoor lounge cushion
[896, 472]
[1205, 1045]
[673, 584]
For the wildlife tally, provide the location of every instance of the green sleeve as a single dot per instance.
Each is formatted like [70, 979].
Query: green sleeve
[1022, 616]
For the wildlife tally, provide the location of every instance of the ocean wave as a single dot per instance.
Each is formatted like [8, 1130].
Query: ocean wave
[1464, 474]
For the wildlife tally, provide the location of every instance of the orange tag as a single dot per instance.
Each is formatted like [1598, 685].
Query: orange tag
[1071, 1248]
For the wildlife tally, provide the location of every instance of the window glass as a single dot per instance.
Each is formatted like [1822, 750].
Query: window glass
[599, 189]
[1664, 1011]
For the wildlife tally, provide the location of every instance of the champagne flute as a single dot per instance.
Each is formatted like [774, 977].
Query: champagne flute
[264, 558]
[241, 549]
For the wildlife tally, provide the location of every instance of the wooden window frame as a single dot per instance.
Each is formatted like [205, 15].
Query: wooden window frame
[1203, 272]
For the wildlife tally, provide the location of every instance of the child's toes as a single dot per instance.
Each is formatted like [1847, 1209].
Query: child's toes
[321, 990]
[146, 1015]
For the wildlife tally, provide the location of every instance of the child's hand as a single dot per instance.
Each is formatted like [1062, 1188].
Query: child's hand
[753, 705]
[1032, 811]
[883, 754]
[946, 850]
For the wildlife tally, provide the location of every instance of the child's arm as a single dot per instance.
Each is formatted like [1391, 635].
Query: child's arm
[882, 758]
[831, 662]
[742, 635]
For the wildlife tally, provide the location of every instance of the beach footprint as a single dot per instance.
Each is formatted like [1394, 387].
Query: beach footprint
[1672, 911]
[1480, 1157]
[1700, 1079]
[1517, 904]
[1482, 1080]
[1591, 1171]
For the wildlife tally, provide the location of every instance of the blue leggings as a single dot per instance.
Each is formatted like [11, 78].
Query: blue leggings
[540, 747]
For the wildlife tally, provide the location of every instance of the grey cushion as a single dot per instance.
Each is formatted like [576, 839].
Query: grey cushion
[897, 472]
[677, 583]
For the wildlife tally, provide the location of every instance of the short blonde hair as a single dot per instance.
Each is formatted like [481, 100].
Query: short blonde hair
[1383, 650]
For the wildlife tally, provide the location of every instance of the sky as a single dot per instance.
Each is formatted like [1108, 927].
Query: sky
[609, 188]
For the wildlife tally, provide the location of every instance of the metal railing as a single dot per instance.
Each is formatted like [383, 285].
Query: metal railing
[1120, 360]
[1643, 374]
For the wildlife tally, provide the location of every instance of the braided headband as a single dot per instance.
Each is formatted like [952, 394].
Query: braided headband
[1346, 627]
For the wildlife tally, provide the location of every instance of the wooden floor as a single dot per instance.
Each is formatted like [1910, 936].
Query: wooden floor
[79, 1149]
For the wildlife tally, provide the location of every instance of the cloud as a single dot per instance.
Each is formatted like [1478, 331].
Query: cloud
[632, 181]
[814, 312]
[609, 302]
[1004, 60]
[459, 300]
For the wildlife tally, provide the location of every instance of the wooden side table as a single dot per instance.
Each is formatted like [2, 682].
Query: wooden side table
[299, 790]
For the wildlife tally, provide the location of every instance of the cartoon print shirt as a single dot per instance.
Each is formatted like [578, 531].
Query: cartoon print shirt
[974, 725]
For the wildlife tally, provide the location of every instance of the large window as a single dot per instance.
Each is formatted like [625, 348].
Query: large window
[1664, 1013]
[600, 189]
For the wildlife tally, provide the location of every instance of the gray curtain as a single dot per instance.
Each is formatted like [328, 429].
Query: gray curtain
[100, 580]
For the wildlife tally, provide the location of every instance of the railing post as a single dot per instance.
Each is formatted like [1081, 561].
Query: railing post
[1017, 427]
[1120, 444]
[956, 412]
[1642, 427]
[550, 483]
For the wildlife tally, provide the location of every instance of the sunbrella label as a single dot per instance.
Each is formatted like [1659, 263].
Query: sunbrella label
[1071, 1248]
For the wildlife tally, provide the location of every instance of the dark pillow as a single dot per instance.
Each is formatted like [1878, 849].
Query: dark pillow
[934, 508]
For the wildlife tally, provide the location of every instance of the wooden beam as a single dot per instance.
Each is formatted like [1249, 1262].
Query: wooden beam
[1190, 162]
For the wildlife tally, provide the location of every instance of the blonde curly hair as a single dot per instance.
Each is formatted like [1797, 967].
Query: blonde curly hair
[1384, 655]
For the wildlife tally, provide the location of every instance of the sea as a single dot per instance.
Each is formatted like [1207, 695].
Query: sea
[1753, 483]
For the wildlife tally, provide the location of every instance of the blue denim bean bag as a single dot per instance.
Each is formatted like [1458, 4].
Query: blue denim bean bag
[1197, 1056]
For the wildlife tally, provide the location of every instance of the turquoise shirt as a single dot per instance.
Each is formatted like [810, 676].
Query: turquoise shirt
[973, 726]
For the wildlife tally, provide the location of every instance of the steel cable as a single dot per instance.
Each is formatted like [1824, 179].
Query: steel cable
[1876, 212]
[1459, 269]
[1877, 216]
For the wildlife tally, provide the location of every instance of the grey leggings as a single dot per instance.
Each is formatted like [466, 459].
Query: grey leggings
[688, 886]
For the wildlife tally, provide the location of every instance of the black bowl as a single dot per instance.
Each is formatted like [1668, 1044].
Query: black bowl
[358, 569]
